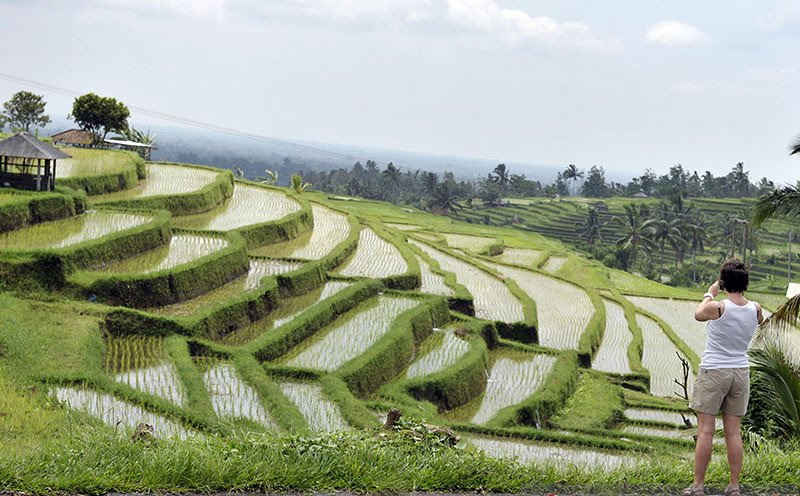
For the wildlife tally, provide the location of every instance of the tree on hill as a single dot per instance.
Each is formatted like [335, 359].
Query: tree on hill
[100, 115]
[636, 229]
[25, 109]
[795, 146]
[696, 234]
[666, 230]
[297, 184]
[429, 182]
[137, 135]
[595, 185]
[391, 176]
[572, 173]
[591, 229]
[500, 175]
[444, 199]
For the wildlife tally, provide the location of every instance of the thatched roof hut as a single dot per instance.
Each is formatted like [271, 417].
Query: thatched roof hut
[28, 163]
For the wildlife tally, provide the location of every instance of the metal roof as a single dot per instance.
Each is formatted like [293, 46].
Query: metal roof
[24, 145]
[127, 143]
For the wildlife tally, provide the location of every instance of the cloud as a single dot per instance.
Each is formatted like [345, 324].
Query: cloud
[354, 10]
[515, 25]
[676, 33]
[786, 16]
[193, 8]
[688, 88]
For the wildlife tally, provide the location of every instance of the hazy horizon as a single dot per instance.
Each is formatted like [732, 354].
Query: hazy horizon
[625, 85]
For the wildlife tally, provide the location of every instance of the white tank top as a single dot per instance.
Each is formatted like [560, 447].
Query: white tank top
[729, 336]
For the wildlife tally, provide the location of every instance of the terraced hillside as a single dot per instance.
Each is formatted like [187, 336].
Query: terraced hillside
[207, 307]
[560, 219]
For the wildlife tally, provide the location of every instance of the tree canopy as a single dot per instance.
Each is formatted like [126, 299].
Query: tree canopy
[23, 110]
[100, 115]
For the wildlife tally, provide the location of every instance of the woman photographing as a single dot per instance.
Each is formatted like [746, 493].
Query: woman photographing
[723, 382]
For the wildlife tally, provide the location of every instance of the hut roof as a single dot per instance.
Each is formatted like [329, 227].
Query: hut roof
[24, 145]
[74, 137]
[132, 144]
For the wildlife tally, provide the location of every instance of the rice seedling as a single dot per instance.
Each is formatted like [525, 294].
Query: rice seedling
[679, 316]
[182, 248]
[548, 455]
[248, 205]
[287, 310]
[65, 232]
[88, 162]
[438, 352]
[432, 283]
[512, 379]
[492, 299]
[350, 335]
[330, 229]
[164, 179]
[403, 227]
[117, 413]
[553, 264]
[474, 244]
[321, 413]
[259, 268]
[231, 397]
[140, 362]
[519, 256]
[374, 257]
[557, 328]
[660, 358]
[613, 353]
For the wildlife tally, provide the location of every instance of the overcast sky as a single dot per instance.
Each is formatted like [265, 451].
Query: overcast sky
[626, 84]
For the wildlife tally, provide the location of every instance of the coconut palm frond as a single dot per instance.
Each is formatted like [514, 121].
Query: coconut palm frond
[781, 203]
[795, 146]
[784, 384]
[784, 319]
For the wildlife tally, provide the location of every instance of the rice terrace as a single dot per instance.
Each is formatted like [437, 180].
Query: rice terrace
[206, 310]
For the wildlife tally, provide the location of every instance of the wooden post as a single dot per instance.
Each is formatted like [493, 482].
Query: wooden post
[54, 174]
[38, 174]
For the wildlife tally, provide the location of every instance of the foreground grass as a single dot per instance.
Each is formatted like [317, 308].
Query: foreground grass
[94, 460]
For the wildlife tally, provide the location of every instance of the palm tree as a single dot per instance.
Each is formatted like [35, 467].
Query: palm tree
[444, 199]
[591, 228]
[391, 175]
[666, 229]
[500, 175]
[269, 177]
[429, 182]
[696, 233]
[635, 230]
[573, 173]
[795, 146]
[784, 384]
[144, 137]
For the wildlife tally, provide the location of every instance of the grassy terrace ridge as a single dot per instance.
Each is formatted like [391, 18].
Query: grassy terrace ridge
[280, 368]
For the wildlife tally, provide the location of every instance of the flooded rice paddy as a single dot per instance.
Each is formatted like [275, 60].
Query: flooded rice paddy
[612, 356]
[441, 350]
[535, 453]
[553, 264]
[249, 205]
[679, 316]
[141, 363]
[182, 249]
[330, 229]
[351, 334]
[374, 258]
[164, 179]
[320, 413]
[474, 244]
[287, 310]
[520, 256]
[259, 269]
[403, 227]
[118, 414]
[88, 226]
[513, 377]
[492, 298]
[660, 358]
[432, 283]
[558, 328]
[231, 397]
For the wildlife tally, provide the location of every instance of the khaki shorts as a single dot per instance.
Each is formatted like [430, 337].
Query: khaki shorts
[727, 390]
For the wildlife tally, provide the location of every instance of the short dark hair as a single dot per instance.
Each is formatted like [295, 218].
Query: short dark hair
[733, 276]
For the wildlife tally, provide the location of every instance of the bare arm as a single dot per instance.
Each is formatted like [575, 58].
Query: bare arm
[759, 313]
[708, 308]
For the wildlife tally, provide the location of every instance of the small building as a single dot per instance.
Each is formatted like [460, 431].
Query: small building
[641, 194]
[601, 206]
[73, 137]
[28, 163]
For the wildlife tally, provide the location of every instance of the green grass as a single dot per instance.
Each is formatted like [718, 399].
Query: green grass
[596, 404]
